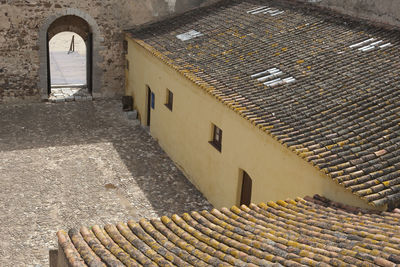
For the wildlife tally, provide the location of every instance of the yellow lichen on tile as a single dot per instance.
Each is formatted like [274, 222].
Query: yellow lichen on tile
[272, 204]
[342, 143]
[329, 147]
[268, 127]
[227, 52]
[306, 154]
[282, 203]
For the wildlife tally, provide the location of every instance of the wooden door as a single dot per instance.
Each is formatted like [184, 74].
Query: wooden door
[89, 62]
[245, 196]
[48, 64]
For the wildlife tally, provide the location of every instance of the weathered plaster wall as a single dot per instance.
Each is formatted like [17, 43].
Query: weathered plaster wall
[23, 25]
[184, 133]
[382, 11]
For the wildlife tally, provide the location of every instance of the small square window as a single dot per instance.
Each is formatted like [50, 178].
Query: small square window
[217, 138]
[170, 99]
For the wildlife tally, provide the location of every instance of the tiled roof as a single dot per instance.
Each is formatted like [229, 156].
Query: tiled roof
[335, 102]
[301, 232]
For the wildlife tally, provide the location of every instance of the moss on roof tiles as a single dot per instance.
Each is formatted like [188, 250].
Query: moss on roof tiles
[295, 232]
[344, 105]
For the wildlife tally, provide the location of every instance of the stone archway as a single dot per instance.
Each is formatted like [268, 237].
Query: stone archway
[69, 23]
[74, 73]
[86, 27]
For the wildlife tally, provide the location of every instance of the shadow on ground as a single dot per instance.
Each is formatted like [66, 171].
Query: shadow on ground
[79, 163]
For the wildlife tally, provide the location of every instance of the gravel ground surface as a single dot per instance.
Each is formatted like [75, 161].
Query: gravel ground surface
[79, 163]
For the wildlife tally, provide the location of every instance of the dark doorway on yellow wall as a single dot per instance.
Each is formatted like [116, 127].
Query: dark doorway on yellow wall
[150, 104]
[245, 195]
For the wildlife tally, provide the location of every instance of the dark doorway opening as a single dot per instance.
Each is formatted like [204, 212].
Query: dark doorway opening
[69, 69]
[149, 105]
[245, 195]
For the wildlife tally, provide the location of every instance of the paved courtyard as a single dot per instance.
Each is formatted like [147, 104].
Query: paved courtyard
[67, 68]
[69, 164]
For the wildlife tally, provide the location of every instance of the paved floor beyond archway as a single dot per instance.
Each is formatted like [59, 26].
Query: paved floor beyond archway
[79, 163]
[67, 68]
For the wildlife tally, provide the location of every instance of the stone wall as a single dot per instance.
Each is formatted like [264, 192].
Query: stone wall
[23, 42]
[382, 11]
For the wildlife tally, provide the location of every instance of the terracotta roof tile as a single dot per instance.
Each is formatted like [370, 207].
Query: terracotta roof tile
[310, 231]
[342, 110]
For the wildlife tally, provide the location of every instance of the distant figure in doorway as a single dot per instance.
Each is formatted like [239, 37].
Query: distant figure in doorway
[72, 46]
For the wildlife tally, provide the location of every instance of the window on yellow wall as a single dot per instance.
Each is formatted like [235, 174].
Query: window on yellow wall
[216, 138]
[170, 100]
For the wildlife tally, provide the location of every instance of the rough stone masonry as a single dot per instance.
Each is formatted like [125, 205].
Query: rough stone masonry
[24, 25]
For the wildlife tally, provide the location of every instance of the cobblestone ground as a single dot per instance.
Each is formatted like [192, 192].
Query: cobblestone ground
[65, 165]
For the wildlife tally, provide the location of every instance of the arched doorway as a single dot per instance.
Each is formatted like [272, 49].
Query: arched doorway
[68, 61]
[86, 28]
[69, 23]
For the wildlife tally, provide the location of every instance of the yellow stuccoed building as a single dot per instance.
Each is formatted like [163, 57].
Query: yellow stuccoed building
[192, 93]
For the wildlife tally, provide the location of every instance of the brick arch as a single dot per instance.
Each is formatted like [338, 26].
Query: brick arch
[81, 23]
[69, 23]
